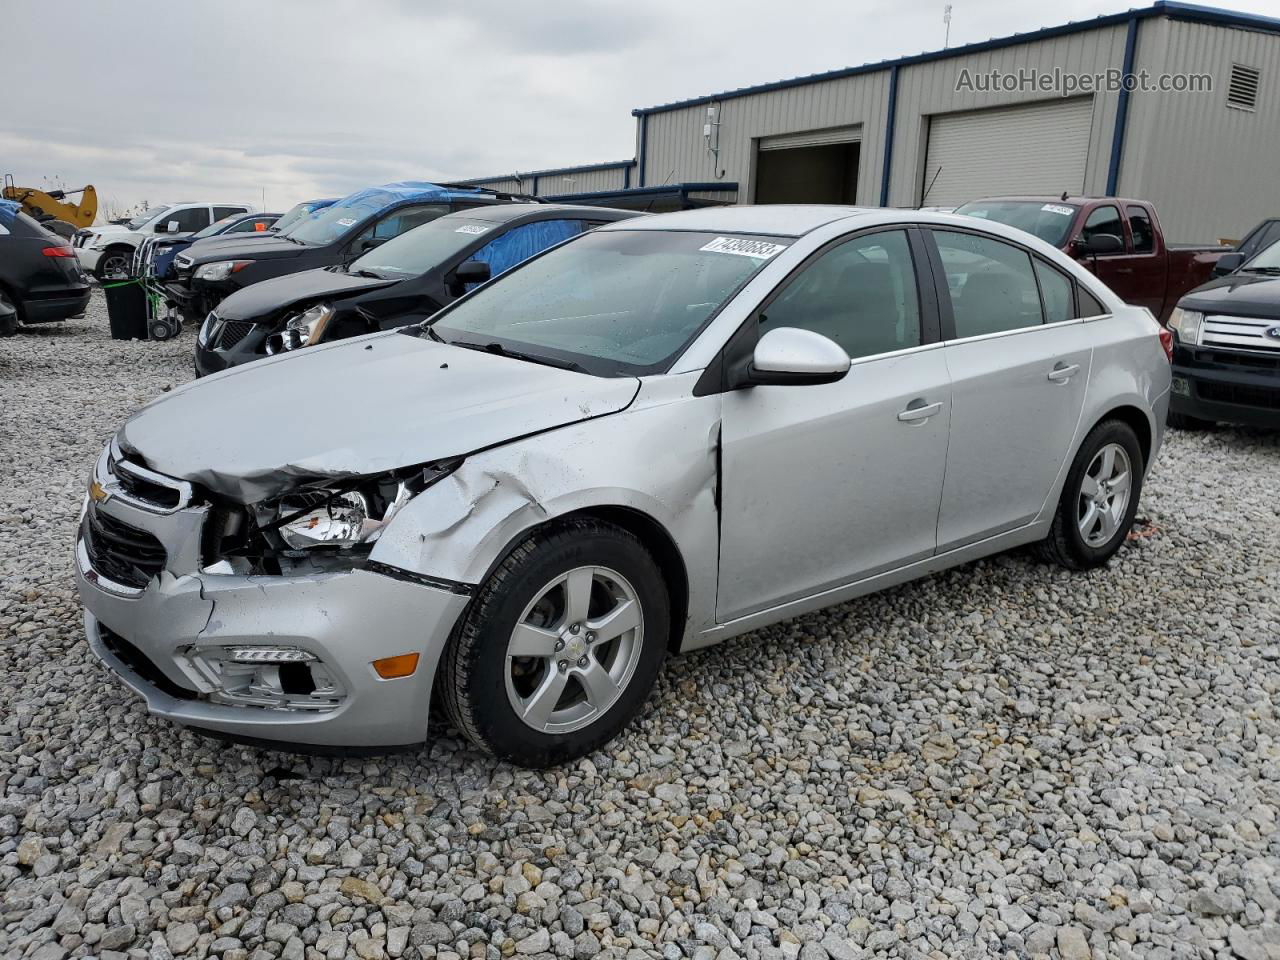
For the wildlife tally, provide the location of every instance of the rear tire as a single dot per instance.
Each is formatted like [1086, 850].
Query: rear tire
[1181, 421]
[573, 683]
[1092, 520]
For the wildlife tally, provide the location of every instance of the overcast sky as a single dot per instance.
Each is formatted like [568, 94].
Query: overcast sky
[162, 100]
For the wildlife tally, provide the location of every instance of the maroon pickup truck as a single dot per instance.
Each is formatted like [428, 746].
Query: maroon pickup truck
[1119, 240]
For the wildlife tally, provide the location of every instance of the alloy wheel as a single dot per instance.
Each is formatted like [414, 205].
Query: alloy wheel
[1104, 495]
[574, 650]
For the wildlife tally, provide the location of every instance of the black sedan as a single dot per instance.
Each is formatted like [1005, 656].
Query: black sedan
[40, 277]
[1226, 355]
[403, 281]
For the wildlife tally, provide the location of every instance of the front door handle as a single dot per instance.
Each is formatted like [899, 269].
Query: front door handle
[917, 414]
[1063, 372]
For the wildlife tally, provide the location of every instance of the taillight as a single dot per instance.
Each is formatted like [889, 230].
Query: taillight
[1166, 341]
[58, 252]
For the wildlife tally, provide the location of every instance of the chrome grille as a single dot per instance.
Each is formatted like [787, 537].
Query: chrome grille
[1248, 333]
[145, 488]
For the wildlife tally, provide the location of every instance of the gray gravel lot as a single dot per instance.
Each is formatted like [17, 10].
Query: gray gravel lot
[1004, 760]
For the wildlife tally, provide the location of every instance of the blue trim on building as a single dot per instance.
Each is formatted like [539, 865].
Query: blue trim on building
[684, 189]
[1122, 108]
[890, 118]
[644, 130]
[1162, 8]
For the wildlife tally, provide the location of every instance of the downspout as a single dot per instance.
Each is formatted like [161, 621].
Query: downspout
[890, 118]
[644, 129]
[535, 185]
[1122, 107]
[626, 176]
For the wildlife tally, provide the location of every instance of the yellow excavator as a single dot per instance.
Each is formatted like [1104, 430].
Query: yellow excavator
[51, 207]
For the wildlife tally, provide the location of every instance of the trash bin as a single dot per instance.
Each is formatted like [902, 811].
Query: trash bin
[126, 309]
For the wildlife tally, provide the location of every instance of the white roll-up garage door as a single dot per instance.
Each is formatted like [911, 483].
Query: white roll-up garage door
[1035, 148]
[812, 138]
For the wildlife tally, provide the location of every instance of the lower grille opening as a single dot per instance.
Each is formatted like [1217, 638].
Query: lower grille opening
[141, 664]
[120, 552]
[296, 679]
[1241, 395]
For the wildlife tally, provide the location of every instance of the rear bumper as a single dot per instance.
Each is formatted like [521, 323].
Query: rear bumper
[48, 309]
[1227, 386]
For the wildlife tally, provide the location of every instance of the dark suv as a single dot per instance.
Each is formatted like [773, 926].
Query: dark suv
[40, 277]
[401, 282]
[332, 236]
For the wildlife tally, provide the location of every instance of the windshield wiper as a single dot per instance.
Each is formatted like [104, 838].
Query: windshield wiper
[498, 349]
[1268, 270]
[362, 272]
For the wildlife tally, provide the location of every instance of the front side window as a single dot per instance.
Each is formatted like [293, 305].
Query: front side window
[1103, 220]
[1055, 290]
[189, 220]
[861, 294]
[1144, 238]
[614, 302]
[520, 243]
[990, 282]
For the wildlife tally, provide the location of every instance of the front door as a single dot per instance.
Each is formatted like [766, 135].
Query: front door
[1018, 383]
[825, 485]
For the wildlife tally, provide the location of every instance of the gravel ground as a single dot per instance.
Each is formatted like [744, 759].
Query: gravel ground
[1004, 760]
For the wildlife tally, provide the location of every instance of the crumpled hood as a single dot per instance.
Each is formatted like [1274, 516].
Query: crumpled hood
[266, 297]
[245, 246]
[353, 408]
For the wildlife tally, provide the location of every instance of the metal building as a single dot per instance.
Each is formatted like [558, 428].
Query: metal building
[934, 130]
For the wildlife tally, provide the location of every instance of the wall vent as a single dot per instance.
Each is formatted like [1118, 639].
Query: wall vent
[1242, 88]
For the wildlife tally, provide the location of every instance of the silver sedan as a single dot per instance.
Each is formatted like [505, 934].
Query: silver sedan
[649, 439]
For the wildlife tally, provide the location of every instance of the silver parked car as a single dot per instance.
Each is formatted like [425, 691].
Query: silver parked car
[651, 438]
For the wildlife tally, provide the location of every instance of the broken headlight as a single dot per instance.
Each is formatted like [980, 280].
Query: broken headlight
[343, 517]
[302, 330]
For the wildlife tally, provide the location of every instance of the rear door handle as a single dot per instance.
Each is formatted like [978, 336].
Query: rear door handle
[1064, 372]
[916, 414]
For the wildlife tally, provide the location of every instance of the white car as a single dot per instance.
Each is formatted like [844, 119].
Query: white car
[107, 251]
[650, 438]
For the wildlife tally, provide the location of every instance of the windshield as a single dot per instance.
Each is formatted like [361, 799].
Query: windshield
[142, 219]
[417, 251]
[215, 228]
[617, 302]
[333, 222]
[1048, 221]
[294, 217]
[1266, 261]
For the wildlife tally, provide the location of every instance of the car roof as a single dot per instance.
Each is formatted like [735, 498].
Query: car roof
[780, 219]
[1045, 198]
[506, 212]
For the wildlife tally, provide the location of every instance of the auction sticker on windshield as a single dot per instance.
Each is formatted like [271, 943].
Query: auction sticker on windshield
[474, 228]
[346, 221]
[759, 249]
[1058, 208]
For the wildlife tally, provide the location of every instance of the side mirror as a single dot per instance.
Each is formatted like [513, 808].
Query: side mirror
[1228, 263]
[368, 243]
[1103, 243]
[473, 271]
[789, 356]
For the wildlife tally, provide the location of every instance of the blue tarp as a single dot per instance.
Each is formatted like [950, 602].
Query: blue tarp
[329, 224]
[9, 212]
[518, 245]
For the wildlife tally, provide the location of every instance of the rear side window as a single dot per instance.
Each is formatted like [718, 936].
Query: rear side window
[1144, 238]
[861, 294]
[221, 213]
[991, 284]
[1090, 306]
[1055, 291]
[1103, 220]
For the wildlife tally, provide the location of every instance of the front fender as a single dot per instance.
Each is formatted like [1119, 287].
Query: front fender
[659, 460]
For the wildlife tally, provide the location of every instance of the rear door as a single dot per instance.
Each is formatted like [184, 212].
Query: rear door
[825, 485]
[1018, 382]
[1148, 260]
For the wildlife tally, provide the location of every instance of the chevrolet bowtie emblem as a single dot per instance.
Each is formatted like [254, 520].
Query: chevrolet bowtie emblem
[98, 493]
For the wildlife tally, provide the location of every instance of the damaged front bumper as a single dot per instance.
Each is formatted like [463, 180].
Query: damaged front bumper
[287, 659]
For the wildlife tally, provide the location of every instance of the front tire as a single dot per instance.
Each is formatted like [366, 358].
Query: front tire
[114, 264]
[9, 321]
[560, 647]
[1099, 499]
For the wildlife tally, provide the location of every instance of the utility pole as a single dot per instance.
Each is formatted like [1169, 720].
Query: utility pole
[946, 19]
